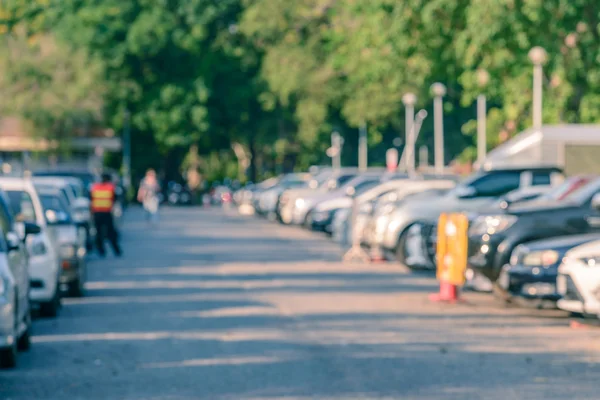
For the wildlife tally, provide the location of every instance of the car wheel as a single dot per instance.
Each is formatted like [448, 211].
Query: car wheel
[401, 247]
[502, 296]
[76, 288]
[24, 342]
[50, 309]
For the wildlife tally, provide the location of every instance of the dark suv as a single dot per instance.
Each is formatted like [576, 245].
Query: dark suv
[494, 235]
[474, 193]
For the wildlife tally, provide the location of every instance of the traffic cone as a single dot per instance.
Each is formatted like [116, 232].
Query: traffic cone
[448, 293]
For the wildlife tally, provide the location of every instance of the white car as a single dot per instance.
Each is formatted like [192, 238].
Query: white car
[44, 262]
[15, 309]
[77, 201]
[578, 280]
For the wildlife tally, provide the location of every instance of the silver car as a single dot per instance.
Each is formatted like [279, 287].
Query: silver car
[71, 243]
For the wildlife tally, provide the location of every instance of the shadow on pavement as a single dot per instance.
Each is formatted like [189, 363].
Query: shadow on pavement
[210, 307]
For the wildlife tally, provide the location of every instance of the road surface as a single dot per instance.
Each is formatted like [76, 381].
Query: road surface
[210, 306]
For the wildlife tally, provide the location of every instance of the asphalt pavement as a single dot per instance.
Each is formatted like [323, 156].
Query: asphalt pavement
[209, 305]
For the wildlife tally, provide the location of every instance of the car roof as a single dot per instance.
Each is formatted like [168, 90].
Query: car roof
[52, 180]
[13, 183]
[523, 168]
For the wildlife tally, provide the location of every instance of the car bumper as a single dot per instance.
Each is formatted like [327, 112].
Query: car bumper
[7, 323]
[577, 296]
[531, 283]
[71, 270]
[484, 257]
[43, 278]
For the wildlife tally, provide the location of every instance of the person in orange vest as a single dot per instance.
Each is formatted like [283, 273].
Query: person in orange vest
[103, 199]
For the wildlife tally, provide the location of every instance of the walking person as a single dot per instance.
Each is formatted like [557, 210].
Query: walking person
[103, 201]
[148, 195]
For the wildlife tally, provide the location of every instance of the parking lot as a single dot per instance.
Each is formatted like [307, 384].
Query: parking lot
[215, 305]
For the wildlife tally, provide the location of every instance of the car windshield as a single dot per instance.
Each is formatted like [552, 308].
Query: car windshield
[584, 193]
[77, 190]
[52, 202]
[22, 205]
[565, 189]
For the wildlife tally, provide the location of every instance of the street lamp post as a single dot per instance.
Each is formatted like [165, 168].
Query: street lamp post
[409, 100]
[127, 149]
[439, 91]
[538, 57]
[483, 77]
[362, 147]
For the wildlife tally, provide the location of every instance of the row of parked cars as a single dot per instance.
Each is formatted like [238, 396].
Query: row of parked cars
[46, 229]
[533, 237]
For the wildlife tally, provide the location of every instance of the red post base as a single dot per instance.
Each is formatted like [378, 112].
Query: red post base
[448, 294]
[377, 256]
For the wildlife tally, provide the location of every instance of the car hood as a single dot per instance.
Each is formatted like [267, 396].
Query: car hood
[561, 243]
[590, 249]
[332, 204]
[431, 208]
[539, 206]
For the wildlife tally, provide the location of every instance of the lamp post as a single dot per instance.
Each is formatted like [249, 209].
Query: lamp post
[439, 91]
[538, 57]
[483, 78]
[362, 147]
[335, 151]
[127, 149]
[409, 100]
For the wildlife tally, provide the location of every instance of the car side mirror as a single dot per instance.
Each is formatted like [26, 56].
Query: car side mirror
[13, 241]
[596, 202]
[466, 192]
[32, 229]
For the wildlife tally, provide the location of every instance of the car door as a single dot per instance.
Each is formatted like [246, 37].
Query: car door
[17, 259]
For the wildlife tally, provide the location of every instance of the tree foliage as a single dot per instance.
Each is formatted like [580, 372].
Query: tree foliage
[276, 76]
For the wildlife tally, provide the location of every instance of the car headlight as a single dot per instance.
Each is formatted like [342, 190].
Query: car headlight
[38, 249]
[544, 258]
[366, 208]
[491, 224]
[593, 261]
[68, 251]
[387, 209]
[299, 203]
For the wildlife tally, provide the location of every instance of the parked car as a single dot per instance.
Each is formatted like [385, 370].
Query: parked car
[327, 181]
[265, 201]
[421, 241]
[533, 268]
[385, 210]
[44, 265]
[77, 203]
[87, 177]
[474, 192]
[493, 236]
[306, 203]
[578, 281]
[71, 244]
[15, 308]
[367, 201]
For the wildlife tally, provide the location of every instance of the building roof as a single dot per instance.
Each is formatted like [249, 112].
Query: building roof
[15, 135]
[534, 146]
